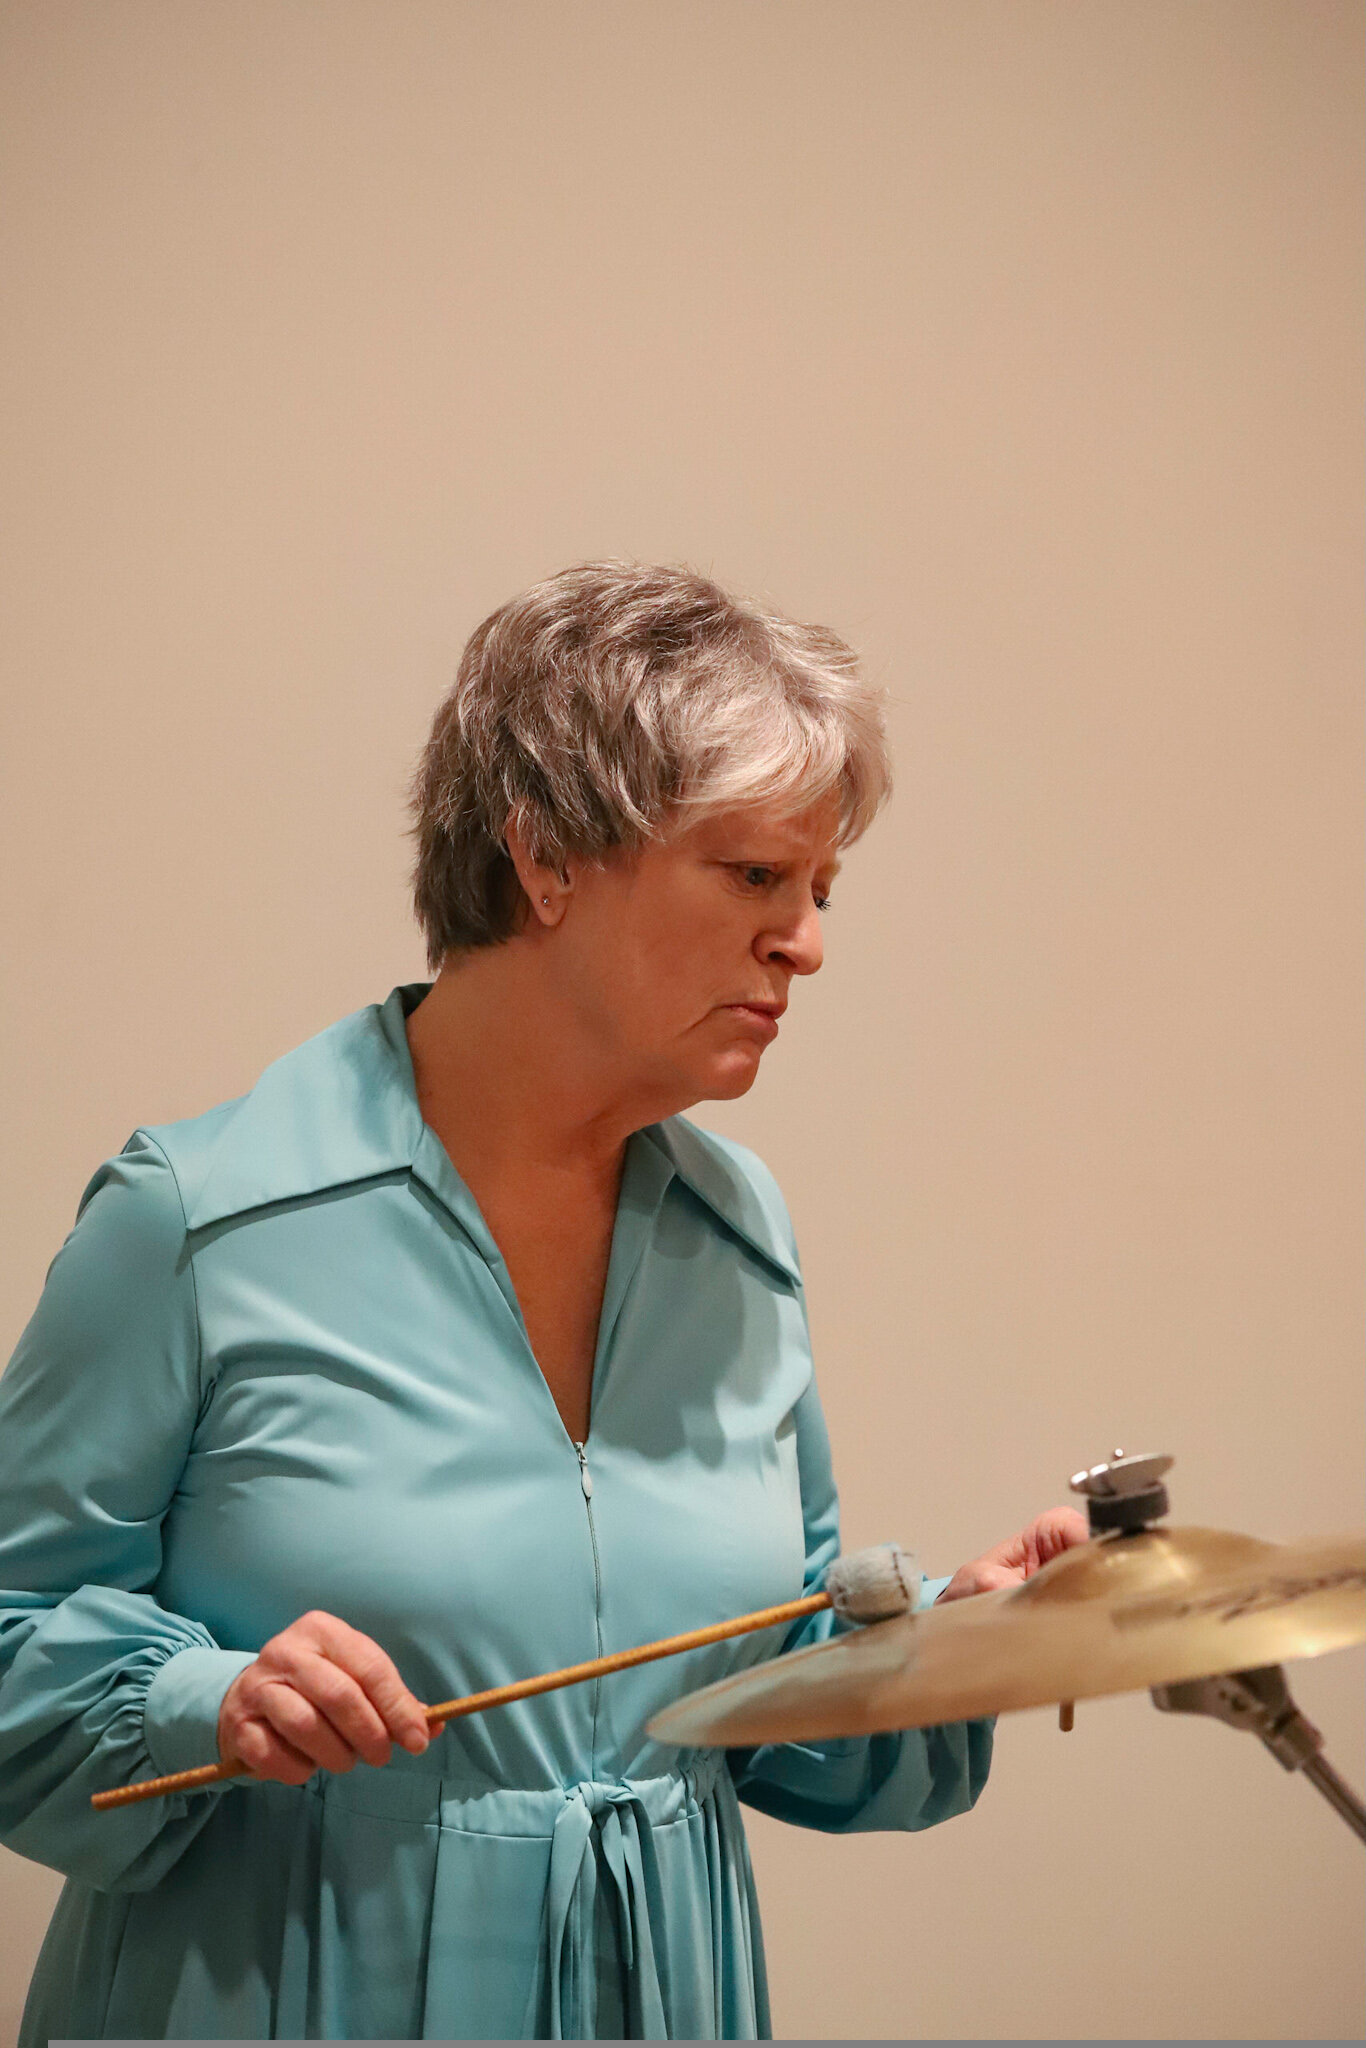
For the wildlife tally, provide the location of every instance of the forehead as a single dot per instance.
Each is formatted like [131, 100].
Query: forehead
[771, 832]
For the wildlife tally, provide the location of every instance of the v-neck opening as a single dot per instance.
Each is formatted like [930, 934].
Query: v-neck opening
[645, 1174]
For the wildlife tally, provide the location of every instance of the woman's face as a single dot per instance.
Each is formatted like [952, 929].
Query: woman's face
[679, 959]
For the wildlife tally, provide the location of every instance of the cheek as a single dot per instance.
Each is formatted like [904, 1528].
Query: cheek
[660, 959]
[641, 983]
[698, 957]
[669, 983]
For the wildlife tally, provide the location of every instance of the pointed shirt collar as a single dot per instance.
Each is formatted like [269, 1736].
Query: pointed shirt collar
[343, 1107]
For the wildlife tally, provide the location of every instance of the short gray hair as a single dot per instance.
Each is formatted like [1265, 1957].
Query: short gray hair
[613, 703]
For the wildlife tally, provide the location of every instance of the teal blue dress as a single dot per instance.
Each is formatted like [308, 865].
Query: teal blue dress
[279, 1365]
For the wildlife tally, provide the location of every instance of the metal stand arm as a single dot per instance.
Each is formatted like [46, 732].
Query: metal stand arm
[1337, 1792]
[1260, 1702]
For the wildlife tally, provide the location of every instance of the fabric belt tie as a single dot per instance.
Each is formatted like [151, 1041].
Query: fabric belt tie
[566, 1999]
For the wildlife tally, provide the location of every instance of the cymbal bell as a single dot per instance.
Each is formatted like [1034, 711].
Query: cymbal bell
[1118, 1614]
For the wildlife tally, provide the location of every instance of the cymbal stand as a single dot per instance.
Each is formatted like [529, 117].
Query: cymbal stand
[1260, 1702]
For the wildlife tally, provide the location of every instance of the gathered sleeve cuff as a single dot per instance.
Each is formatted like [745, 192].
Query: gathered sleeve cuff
[106, 1688]
[181, 1707]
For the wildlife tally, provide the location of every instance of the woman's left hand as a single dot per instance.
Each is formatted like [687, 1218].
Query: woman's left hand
[1019, 1557]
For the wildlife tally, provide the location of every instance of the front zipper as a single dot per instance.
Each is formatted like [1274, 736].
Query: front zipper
[586, 1482]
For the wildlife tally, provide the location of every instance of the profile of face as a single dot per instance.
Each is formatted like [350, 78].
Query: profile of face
[677, 960]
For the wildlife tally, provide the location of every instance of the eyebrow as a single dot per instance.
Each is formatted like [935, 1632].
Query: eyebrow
[784, 860]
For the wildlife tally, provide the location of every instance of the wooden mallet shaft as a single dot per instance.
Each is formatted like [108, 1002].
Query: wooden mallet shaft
[497, 1696]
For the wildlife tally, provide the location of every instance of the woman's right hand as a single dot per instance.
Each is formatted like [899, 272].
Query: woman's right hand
[319, 1695]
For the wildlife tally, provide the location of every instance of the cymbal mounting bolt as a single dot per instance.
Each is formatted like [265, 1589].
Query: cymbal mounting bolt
[1125, 1494]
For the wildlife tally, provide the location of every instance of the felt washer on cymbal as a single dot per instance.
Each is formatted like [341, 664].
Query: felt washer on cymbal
[874, 1584]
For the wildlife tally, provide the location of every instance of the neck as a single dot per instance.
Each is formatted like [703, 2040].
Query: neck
[506, 1078]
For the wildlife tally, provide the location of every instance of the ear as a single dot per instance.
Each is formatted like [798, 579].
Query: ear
[547, 889]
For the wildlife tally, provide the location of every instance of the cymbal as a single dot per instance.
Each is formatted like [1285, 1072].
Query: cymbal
[1117, 1614]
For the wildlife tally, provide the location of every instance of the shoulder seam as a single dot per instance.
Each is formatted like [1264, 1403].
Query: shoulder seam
[162, 1154]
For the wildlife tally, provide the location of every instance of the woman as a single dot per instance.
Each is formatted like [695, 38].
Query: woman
[448, 1354]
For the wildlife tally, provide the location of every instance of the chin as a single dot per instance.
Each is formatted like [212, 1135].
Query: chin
[725, 1083]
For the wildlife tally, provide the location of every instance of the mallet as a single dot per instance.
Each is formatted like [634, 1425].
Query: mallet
[868, 1585]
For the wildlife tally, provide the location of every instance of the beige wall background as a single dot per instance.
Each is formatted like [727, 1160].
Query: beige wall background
[1018, 339]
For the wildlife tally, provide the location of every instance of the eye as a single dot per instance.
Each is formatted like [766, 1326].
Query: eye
[760, 875]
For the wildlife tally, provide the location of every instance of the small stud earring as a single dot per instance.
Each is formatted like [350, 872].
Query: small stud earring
[546, 901]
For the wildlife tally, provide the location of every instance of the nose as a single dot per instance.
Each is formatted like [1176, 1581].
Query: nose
[799, 945]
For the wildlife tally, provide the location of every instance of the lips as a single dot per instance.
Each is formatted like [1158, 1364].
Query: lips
[765, 1015]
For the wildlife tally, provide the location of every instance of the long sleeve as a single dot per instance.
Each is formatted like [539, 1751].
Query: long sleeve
[909, 1779]
[100, 1685]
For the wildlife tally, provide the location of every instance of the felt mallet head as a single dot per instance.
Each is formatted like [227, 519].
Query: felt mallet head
[875, 1584]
